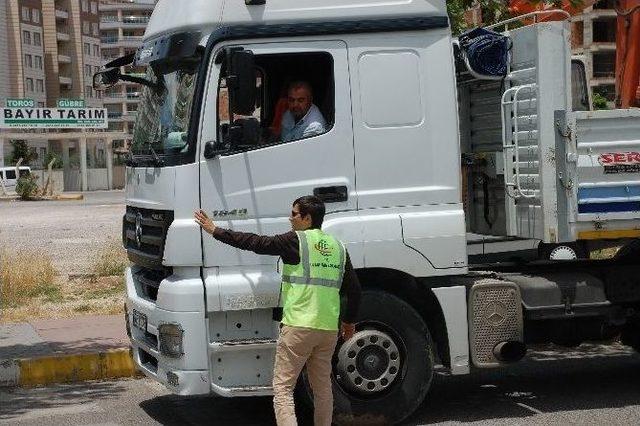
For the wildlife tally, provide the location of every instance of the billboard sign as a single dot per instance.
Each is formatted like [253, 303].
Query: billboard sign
[21, 114]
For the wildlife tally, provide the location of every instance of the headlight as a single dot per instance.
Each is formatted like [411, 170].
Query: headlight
[171, 340]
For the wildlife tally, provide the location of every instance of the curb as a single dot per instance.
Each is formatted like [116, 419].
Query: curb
[29, 372]
[68, 197]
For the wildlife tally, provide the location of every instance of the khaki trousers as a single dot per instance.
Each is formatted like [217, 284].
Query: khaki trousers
[297, 346]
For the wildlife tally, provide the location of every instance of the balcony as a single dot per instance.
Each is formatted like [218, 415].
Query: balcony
[124, 41]
[110, 7]
[130, 115]
[114, 115]
[113, 98]
[65, 81]
[133, 96]
[62, 36]
[111, 23]
[62, 14]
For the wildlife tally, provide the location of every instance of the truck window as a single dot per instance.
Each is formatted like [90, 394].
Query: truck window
[11, 174]
[24, 172]
[295, 100]
[579, 89]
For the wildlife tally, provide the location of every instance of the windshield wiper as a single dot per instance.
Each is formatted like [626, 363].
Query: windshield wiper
[157, 161]
[131, 162]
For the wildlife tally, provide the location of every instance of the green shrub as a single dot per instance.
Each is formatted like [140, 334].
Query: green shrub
[599, 101]
[22, 150]
[57, 163]
[26, 187]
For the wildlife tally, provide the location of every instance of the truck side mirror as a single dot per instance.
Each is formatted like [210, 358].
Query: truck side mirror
[241, 81]
[105, 79]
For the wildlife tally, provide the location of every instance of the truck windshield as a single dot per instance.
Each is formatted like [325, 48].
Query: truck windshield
[162, 122]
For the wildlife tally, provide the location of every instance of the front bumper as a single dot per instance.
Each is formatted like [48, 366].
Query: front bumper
[188, 374]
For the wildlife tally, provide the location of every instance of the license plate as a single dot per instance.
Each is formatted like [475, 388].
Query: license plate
[139, 320]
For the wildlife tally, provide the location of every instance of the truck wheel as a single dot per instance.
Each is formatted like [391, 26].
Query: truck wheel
[562, 251]
[630, 251]
[383, 373]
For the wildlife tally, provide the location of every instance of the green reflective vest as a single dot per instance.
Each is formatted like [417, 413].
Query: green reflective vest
[311, 289]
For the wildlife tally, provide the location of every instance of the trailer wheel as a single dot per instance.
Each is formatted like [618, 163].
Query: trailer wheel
[383, 373]
[630, 251]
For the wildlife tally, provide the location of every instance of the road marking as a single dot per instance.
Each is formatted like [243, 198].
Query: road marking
[527, 407]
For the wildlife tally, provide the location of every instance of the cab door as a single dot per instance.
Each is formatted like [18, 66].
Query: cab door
[251, 189]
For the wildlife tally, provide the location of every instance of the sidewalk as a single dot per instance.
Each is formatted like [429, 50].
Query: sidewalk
[53, 351]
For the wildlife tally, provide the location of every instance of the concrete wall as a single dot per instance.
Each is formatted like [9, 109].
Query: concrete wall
[118, 177]
[97, 179]
[57, 176]
[72, 180]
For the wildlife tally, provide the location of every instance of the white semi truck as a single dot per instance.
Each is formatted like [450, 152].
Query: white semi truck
[423, 165]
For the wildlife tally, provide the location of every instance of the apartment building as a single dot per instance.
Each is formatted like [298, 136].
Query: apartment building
[51, 49]
[122, 25]
[594, 37]
[22, 59]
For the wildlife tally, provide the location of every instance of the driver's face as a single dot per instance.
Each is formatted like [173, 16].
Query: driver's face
[299, 102]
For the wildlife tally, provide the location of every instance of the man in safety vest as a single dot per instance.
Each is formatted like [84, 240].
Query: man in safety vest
[317, 271]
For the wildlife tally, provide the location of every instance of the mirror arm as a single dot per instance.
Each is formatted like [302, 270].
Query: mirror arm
[140, 80]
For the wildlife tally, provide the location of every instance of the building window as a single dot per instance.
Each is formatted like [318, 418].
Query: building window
[29, 84]
[87, 92]
[94, 7]
[25, 13]
[40, 104]
[40, 85]
[87, 49]
[35, 15]
[96, 50]
[87, 70]
[94, 29]
[37, 39]
[26, 37]
[38, 61]
[85, 28]
[28, 63]
[85, 6]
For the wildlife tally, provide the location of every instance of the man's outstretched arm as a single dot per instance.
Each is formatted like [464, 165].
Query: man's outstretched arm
[284, 245]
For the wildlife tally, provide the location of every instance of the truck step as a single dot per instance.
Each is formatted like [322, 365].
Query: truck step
[250, 389]
[242, 345]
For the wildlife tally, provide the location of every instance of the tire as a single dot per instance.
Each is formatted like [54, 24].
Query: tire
[629, 252]
[550, 251]
[381, 314]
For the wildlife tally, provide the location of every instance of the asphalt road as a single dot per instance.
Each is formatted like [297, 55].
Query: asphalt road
[71, 232]
[591, 385]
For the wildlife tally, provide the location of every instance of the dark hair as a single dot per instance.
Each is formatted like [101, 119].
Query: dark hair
[300, 84]
[311, 205]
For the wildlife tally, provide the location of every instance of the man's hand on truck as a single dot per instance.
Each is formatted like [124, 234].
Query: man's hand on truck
[204, 221]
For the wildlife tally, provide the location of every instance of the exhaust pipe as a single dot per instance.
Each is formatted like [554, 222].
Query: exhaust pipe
[509, 351]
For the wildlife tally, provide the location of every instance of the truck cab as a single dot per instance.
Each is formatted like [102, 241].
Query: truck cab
[387, 165]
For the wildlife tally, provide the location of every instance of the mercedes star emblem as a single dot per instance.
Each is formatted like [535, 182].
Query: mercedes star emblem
[496, 313]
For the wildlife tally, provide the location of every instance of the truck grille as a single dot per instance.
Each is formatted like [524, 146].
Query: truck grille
[149, 281]
[144, 232]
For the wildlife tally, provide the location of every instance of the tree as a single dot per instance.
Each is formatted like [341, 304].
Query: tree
[22, 150]
[493, 11]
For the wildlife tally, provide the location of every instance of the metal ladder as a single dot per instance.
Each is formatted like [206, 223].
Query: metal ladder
[510, 103]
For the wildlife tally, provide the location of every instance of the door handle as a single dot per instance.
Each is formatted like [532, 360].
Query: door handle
[332, 194]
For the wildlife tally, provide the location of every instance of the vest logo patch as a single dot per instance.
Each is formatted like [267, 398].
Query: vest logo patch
[323, 247]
